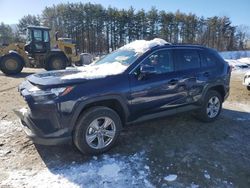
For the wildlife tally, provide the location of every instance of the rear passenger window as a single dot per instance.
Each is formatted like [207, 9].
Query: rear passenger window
[208, 60]
[187, 59]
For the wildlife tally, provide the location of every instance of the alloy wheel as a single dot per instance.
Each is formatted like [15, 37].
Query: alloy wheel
[213, 107]
[100, 132]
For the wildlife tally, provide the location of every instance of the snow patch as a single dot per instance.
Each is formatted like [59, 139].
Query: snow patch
[240, 106]
[242, 119]
[239, 65]
[171, 177]
[206, 175]
[146, 167]
[8, 127]
[234, 54]
[4, 124]
[93, 71]
[193, 185]
[239, 60]
[108, 171]
[141, 46]
[121, 58]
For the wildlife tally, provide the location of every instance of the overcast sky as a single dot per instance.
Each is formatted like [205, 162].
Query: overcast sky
[238, 10]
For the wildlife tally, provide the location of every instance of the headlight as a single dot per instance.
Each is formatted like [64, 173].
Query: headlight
[39, 94]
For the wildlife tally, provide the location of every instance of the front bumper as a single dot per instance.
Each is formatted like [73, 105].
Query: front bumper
[33, 130]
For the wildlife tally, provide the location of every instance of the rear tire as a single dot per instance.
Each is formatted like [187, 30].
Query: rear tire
[11, 64]
[248, 88]
[97, 130]
[211, 107]
[56, 63]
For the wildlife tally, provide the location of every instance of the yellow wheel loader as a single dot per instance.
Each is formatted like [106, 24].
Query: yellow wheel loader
[37, 52]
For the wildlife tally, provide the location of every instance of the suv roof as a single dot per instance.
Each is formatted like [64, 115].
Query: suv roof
[181, 46]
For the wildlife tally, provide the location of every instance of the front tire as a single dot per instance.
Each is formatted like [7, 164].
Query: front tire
[11, 64]
[97, 130]
[248, 88]
[211, 108]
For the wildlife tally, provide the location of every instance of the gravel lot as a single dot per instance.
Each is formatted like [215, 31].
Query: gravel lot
[176, 151]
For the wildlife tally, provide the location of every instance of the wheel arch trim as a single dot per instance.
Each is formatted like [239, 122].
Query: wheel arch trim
[81, 106]
[214, 87]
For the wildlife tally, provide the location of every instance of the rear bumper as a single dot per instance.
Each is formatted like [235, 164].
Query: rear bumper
[32, 130]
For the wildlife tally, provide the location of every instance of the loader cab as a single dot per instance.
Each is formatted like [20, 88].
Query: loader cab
[38, 40]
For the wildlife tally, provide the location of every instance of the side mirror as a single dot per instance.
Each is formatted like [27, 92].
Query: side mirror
[147, 69]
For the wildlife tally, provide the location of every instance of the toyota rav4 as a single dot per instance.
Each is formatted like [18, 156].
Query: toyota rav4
[142, 80]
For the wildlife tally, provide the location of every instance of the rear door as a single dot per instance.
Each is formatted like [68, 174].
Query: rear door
[190, 73]
[211, 66]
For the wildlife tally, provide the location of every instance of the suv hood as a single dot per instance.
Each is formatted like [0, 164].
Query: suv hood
[77, 74]
[51, 78]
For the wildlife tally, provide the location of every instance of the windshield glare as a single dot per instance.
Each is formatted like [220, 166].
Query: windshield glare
[125, 57]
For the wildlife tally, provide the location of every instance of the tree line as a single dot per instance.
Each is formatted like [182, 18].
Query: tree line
[96, 29]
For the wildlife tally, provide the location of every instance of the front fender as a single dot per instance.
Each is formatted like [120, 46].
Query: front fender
[80, 106]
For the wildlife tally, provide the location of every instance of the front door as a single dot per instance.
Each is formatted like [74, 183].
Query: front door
[155, 92]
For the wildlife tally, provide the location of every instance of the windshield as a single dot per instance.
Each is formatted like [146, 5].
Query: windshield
[125, 57]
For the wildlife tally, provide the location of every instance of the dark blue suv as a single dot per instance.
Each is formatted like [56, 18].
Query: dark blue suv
[143, 80]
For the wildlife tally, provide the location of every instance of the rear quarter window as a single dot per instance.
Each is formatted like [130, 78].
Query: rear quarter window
[209, 59]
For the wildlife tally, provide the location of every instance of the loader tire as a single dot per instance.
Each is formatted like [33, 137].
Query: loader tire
[56, 63]
[11, 64]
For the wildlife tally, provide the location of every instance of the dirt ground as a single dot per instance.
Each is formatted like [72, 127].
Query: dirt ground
[147, 155]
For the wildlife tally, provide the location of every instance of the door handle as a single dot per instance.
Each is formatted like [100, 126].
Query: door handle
[173, 82]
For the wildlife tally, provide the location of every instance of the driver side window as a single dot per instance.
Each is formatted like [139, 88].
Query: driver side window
[161, 61]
